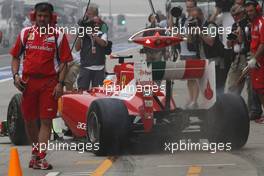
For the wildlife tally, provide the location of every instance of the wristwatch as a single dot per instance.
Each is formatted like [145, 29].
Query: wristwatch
[14, 75]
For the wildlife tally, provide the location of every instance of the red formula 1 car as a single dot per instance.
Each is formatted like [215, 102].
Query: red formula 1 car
[133, 100]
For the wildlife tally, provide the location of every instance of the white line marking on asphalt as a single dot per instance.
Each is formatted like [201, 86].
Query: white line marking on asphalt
[76, 173]
[6, 67]
[53, 174]
[4, 55]
[202, 165]
[4, 80]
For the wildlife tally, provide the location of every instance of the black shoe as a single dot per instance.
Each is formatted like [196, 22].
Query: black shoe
[254, 116]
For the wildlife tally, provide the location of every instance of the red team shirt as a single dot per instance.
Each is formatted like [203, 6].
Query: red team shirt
[40, 53]
[257, 38]
[40, 66]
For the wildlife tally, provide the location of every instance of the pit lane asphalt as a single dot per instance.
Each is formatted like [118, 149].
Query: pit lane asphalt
[144, 157]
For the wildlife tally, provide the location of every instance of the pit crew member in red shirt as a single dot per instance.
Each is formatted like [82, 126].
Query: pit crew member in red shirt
[256, 63]
[45, 58]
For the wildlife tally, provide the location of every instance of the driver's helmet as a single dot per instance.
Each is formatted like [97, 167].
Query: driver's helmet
[109, 80]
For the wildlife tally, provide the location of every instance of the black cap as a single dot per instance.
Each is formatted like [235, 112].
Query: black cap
[44, 6]
[251, 2]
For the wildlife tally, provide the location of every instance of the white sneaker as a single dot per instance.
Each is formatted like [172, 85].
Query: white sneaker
[192, 105]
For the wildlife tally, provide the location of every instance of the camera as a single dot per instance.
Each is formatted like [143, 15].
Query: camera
[244, 22]
[86, 23]
[231, 36]
[176, 12]
[194, 22]
[90, 23]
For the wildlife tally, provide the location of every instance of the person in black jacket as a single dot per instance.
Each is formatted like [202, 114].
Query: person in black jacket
[92, 51]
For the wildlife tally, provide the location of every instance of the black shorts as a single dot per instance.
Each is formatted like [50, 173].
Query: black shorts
[86, 77]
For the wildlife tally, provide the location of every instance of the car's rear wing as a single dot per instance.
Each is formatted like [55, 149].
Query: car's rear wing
[200, 70]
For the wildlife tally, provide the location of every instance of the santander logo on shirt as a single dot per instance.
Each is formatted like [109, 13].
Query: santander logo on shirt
[42, 48]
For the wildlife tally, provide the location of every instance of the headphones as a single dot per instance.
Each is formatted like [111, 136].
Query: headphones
[47, 6]
[256, 4]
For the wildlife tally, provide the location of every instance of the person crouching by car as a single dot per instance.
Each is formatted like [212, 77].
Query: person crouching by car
[92, 51]
[44, 65]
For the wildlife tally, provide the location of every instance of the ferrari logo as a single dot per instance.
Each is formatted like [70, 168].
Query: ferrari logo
[123, 79]
[31, 36]
[208, 93]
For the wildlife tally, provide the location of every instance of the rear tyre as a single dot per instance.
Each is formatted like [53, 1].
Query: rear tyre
[228, 121]
[15, 122]
[108, 125]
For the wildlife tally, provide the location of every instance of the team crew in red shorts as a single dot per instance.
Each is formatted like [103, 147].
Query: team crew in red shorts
[44, 65]
[256, 63]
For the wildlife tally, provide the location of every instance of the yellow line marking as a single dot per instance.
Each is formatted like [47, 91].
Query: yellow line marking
[104, 166]
[194, 171]
[88, 162]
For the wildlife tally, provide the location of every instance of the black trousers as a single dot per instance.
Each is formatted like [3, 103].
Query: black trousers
[87, 77]
[220, 76]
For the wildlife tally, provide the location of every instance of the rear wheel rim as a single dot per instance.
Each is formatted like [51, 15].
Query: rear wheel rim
[12, 119]
[93, 128]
